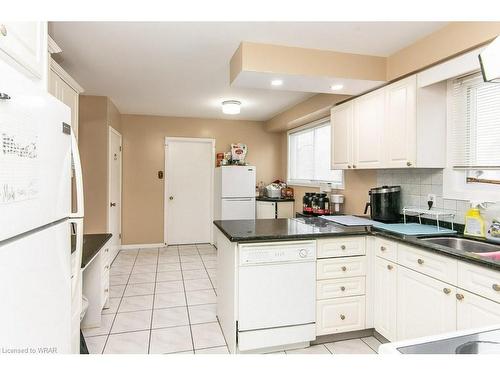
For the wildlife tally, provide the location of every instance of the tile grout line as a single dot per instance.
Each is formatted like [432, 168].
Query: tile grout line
[153, 305]
[121, 299]
[185, 298]
[216, 317]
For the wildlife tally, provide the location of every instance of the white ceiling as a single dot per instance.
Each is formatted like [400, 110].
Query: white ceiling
[182, 69]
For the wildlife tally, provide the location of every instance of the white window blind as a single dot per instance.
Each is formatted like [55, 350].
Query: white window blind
[475, 123]
[309, 157]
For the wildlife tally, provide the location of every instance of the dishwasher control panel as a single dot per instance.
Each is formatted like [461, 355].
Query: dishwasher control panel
[276, 253]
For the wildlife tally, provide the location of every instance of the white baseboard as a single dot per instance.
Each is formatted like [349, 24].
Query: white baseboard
[142, 246]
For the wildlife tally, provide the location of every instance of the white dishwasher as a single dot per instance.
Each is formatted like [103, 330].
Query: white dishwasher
[276, 295]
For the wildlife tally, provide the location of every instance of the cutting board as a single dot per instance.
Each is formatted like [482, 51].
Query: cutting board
[349, 220]
[413, 229]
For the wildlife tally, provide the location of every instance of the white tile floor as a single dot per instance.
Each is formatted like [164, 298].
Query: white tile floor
[163, 301]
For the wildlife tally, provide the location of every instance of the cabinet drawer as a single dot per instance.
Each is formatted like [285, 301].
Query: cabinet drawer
[479, 280]
[437, 266]
[340, 315]
[341, 267]
[345, 287]
[386, 249]
[341, 247]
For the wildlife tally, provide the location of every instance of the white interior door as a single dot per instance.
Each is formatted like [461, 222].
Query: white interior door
[189, 169]
[115, 190]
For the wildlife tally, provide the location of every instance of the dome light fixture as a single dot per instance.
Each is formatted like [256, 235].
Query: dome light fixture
[276, 82]
[231, 107]
[336, 87]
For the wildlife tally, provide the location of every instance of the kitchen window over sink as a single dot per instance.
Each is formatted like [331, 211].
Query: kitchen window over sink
[473, 171]
[309, 156]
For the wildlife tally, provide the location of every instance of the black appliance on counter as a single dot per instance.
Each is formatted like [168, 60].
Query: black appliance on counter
[385, 204]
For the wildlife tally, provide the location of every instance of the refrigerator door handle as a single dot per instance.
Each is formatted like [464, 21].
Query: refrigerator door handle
[76, 257]
[78, 177]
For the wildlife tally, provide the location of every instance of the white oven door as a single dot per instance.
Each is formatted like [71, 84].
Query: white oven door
[276, 295]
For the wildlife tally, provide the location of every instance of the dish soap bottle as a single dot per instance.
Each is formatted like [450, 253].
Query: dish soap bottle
[474, 222]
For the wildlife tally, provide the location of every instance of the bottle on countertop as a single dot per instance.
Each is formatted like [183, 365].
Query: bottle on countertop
[307, 204]
[474, 222]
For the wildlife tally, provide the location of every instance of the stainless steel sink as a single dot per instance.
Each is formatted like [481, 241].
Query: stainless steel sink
[463, 244]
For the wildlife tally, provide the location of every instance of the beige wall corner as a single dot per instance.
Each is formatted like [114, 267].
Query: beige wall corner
[309, 110]
[144, 156]
[113, 116]
[93, 144]
[357, 185]
[236, 63]
[452, 39]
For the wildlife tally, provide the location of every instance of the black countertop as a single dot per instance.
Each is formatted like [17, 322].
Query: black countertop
[92, 243]
[267, 199]
[310, 228]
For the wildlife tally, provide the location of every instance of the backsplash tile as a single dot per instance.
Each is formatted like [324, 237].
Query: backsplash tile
[416, 184]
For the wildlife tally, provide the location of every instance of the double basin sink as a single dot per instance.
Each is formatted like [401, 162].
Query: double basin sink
[483, 249]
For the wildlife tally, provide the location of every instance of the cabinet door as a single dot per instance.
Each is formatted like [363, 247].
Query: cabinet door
[266, 210]
[385, 290]
[342, 128]
[400, 142]
[369, 130]
[425, 306]
[285, 210]
[474, 311]
[25, 43]
[66, 94]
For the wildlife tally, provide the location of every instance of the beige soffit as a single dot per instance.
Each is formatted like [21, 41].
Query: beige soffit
[449, 41]
[305, 70]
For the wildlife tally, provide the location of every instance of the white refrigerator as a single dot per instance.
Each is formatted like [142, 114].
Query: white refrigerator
[40, 277]
[235, 193]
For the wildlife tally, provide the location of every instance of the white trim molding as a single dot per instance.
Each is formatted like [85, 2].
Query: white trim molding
[57, 69]
[142, 246]
[52, 46]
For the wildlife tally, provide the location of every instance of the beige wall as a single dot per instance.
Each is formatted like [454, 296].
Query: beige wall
[143, 157]
[451, 40]
[95, 114]
[309, 110]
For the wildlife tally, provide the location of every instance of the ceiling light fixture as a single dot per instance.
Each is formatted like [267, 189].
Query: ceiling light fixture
[276, 82]
[231, 107]
[337, 87]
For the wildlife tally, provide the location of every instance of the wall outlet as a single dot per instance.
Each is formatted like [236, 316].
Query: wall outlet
[431, 197]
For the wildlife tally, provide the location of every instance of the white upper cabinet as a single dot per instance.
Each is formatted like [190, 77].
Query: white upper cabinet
[396, 126]
[342, 135]
[368, 136]
[401, 120]
[24, 45]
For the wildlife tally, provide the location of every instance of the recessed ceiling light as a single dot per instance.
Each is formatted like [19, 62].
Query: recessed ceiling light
[231, 107]
[276, 82]
[337, 87]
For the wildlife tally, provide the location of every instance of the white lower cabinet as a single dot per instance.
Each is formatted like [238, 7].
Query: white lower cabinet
[385, 299]
[474, 311]
[340, 315]
[425, 306]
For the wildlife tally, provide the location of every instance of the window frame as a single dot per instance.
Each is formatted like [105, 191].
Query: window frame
[455, 185]
[310, 183]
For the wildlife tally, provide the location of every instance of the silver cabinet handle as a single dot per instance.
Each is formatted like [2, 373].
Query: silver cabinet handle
[4, 96]
[106, 290]
[389, 267]
[342, 288]
[3, 30]
[459, 296]
[344, 268]
[382, 248]
[496, 287]
[446, 290]
[342, 317]
[408, 163]
[349, 166]
[112, 204]
[420, 261]
[171, 198]
[343, 247]
[354, 165]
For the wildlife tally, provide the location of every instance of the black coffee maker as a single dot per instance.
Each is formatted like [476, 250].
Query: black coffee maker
[385, 204]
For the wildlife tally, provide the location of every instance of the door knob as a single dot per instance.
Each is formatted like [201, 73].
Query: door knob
[342, 316]
[460, 296]
[389, 267]
[171, 198]
[112, 204]
[496, 287]
[342, 288]
[446, 290]
[344, 268]
[420, 261]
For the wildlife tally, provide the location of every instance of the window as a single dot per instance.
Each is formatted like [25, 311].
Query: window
[309, 156]
[475, 119]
